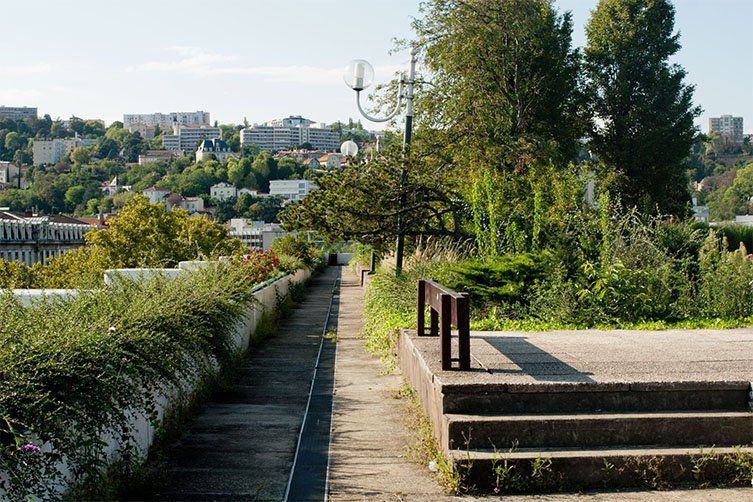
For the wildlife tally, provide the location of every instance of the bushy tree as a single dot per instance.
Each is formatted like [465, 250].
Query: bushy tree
[644, 110]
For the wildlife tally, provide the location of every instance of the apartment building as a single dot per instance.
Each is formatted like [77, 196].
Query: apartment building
[52, 151]
[31, 239]
[291, 189]
[729, 126]
[255, 234]
[145, 123]
[17, 112]
[290, 132]
[187, 139]
[157, 156]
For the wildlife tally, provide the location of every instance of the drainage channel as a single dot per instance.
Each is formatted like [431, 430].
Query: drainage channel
[309, 473]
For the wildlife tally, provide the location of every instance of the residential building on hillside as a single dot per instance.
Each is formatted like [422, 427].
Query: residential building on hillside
[215, 149]
[145, 123]
[729, 126]
[190, 204]
[290, 132]
[305, 157]
[156, 195]
[291, 189]
[17, 112]
[114, 187]
[187, 139]
[12, 176]
[52, 151]
[31, 239]
[255, 234]
[156, 156]
[332, 160]
[223, 191]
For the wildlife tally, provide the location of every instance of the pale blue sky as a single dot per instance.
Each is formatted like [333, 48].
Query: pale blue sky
[263, 59]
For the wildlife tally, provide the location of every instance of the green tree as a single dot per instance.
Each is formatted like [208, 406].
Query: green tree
[645, 110]
[14, 141]
[506, 97]
[74, 196]
[147, 234]
[80, 156]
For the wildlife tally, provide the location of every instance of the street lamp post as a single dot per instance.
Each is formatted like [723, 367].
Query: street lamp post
[359, 75]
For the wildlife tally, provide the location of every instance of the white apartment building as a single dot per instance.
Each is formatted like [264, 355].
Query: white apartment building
[53, 150]
[17, 112]
[145, 123]
[187, 139]
[223, 191]
[290, 132]
[255, 234]
[189, 204]
[291, 189]
[48, 151]
[214, 149]
[729, 126]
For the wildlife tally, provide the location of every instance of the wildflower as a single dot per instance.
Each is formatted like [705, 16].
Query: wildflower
[30, 448]
[433, 466]
[496, 490]
[111, 329]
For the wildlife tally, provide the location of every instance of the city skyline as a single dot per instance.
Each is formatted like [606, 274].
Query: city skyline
[262, 61]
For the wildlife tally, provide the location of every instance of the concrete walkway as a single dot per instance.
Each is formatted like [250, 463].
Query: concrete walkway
[242, 446]
[369, 436]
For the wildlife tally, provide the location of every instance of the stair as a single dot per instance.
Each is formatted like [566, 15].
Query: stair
[651, 436]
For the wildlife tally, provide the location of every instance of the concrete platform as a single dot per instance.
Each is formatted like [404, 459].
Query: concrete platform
[586, 399]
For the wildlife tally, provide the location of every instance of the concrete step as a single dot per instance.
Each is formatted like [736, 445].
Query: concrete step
[595, 397]
[692, 429]
[547, 470]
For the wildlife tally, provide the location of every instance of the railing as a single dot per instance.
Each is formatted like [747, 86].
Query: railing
[446, 308]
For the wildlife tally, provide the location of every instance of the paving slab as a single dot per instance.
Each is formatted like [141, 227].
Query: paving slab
[241, 447]
[599, 358]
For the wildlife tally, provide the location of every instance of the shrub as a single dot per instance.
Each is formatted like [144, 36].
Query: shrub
[72, 369]
[505, 279]
[298, 248]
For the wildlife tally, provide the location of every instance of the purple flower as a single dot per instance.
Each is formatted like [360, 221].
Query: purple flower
[30, 448]
[496, 490]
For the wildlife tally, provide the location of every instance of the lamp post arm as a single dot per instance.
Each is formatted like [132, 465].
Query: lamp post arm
[388, 117]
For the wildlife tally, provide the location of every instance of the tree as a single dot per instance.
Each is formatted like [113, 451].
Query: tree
[14, 141]
[80, 156]
[644, 109]
[506, 97]
[362, 203]
[147, 234]
[75, 196]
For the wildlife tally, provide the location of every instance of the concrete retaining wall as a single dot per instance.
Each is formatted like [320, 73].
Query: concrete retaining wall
[143, 430]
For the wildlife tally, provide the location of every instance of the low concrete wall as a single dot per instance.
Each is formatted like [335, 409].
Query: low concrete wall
[139, 274]
[421, 379]
[142, 428]
[344, 258]
[29, 297]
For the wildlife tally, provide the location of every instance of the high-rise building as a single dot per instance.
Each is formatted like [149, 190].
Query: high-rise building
[17, 112]
[144, 123]
[729, 126]
[288, 133]
[187, 139]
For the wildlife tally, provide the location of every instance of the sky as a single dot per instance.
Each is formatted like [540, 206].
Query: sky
[266, 59]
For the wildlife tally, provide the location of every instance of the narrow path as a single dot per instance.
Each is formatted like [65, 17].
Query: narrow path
[369, 435]
[242, 445]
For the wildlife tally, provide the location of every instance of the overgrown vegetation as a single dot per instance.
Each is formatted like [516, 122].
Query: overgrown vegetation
[75, 371]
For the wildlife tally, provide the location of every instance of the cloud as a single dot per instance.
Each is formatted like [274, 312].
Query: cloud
[27, 70]
[202, 63]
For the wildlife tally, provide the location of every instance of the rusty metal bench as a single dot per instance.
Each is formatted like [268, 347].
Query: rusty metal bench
[446, 308]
